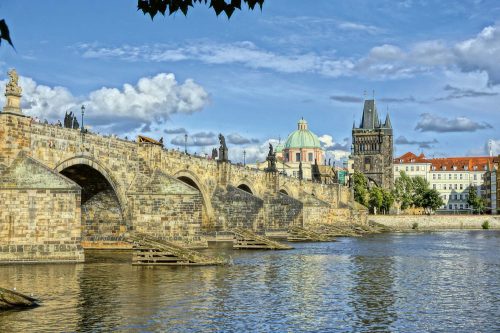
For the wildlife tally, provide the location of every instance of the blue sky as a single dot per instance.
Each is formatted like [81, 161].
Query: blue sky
[433, 64]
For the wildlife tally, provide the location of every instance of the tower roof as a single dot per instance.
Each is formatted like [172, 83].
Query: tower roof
[370, 118]
[387, 123]
[302, 137]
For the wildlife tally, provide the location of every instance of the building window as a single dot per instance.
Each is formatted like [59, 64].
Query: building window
[439, 176]
[444, 186]
[411, 168]
[475, 177]
[297, 157]
[456, 187]
[310, 157]
[461, 186]
[461, 176]
[449, 176]
[461, 206]
[417, 167]
[397, 169]
[406, 168]
[433, 176]
[450, 206]
[433, 186]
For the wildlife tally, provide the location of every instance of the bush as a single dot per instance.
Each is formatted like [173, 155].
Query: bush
[414, 226]
[485, 225]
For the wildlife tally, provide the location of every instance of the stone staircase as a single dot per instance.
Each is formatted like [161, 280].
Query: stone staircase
[149, 250]
[247, 239]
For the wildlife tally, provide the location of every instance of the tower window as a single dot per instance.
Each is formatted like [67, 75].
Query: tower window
[310, 157]
[297, 157]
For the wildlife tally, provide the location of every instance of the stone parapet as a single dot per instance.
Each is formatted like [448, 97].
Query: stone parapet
[436, 222]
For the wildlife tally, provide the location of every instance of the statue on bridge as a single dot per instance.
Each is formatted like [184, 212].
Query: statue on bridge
[271, 160]
[13, 93]
[214, 153]
[223, 153]
[70, 121]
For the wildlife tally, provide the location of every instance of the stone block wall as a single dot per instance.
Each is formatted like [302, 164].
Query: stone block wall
[40, 214]
[316, 212]
[40, 225]
[236, 208]
[14, 136]
[281, 212]
[168, 216]
[102, 217]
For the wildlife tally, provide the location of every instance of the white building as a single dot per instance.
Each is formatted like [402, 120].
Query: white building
[451, 177]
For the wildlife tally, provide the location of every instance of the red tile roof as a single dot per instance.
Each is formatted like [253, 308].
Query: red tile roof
[462, 163]
[448, 163]
[409, 157]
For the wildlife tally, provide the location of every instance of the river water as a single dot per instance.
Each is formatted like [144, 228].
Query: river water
[417, 282]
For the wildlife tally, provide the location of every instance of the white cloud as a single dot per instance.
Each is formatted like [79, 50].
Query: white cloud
[384, 61]
[434, 123]
[152, 99]
[43, 101]
[481, 53]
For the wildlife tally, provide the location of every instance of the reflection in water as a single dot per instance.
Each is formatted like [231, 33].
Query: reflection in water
[373, 294]
[446, 282]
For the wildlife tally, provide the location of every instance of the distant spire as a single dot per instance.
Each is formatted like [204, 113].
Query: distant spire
[387, 123]
[354, 124]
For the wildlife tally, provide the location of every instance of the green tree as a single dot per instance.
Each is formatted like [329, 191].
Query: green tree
[431, 200]
[376, 199]
[360, 184]
[153, 7]
[5, 34]
[403, 191]
[477, 203]
[420, 188]
[387, 201]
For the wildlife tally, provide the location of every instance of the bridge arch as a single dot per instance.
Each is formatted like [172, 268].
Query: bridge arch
[284, 191]
[246, 187]
[191, 179]
[92, 163]
[103, 210]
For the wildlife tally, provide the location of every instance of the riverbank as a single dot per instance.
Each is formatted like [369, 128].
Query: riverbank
[435, 222]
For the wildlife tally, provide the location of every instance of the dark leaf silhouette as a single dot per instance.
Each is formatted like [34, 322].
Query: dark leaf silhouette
[152, 7]
[4, 33]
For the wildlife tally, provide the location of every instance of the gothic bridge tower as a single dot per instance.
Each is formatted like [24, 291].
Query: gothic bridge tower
[372, 147]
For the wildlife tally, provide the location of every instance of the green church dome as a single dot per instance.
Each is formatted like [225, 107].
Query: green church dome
[279, 148]
[302, 137]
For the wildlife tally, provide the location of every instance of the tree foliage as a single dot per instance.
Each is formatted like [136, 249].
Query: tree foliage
[153, 7]
[431, 200]
[388, 200]
[415, 192]
[403, 190]
[477, 203]
[5, 33]
[360, 187]
[376, 199]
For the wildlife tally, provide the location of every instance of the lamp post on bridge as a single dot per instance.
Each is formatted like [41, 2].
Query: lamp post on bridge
[83, 112]
[185, 143]
[244, 157]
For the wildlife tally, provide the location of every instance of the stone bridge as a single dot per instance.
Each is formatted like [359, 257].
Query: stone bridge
[59, 187]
